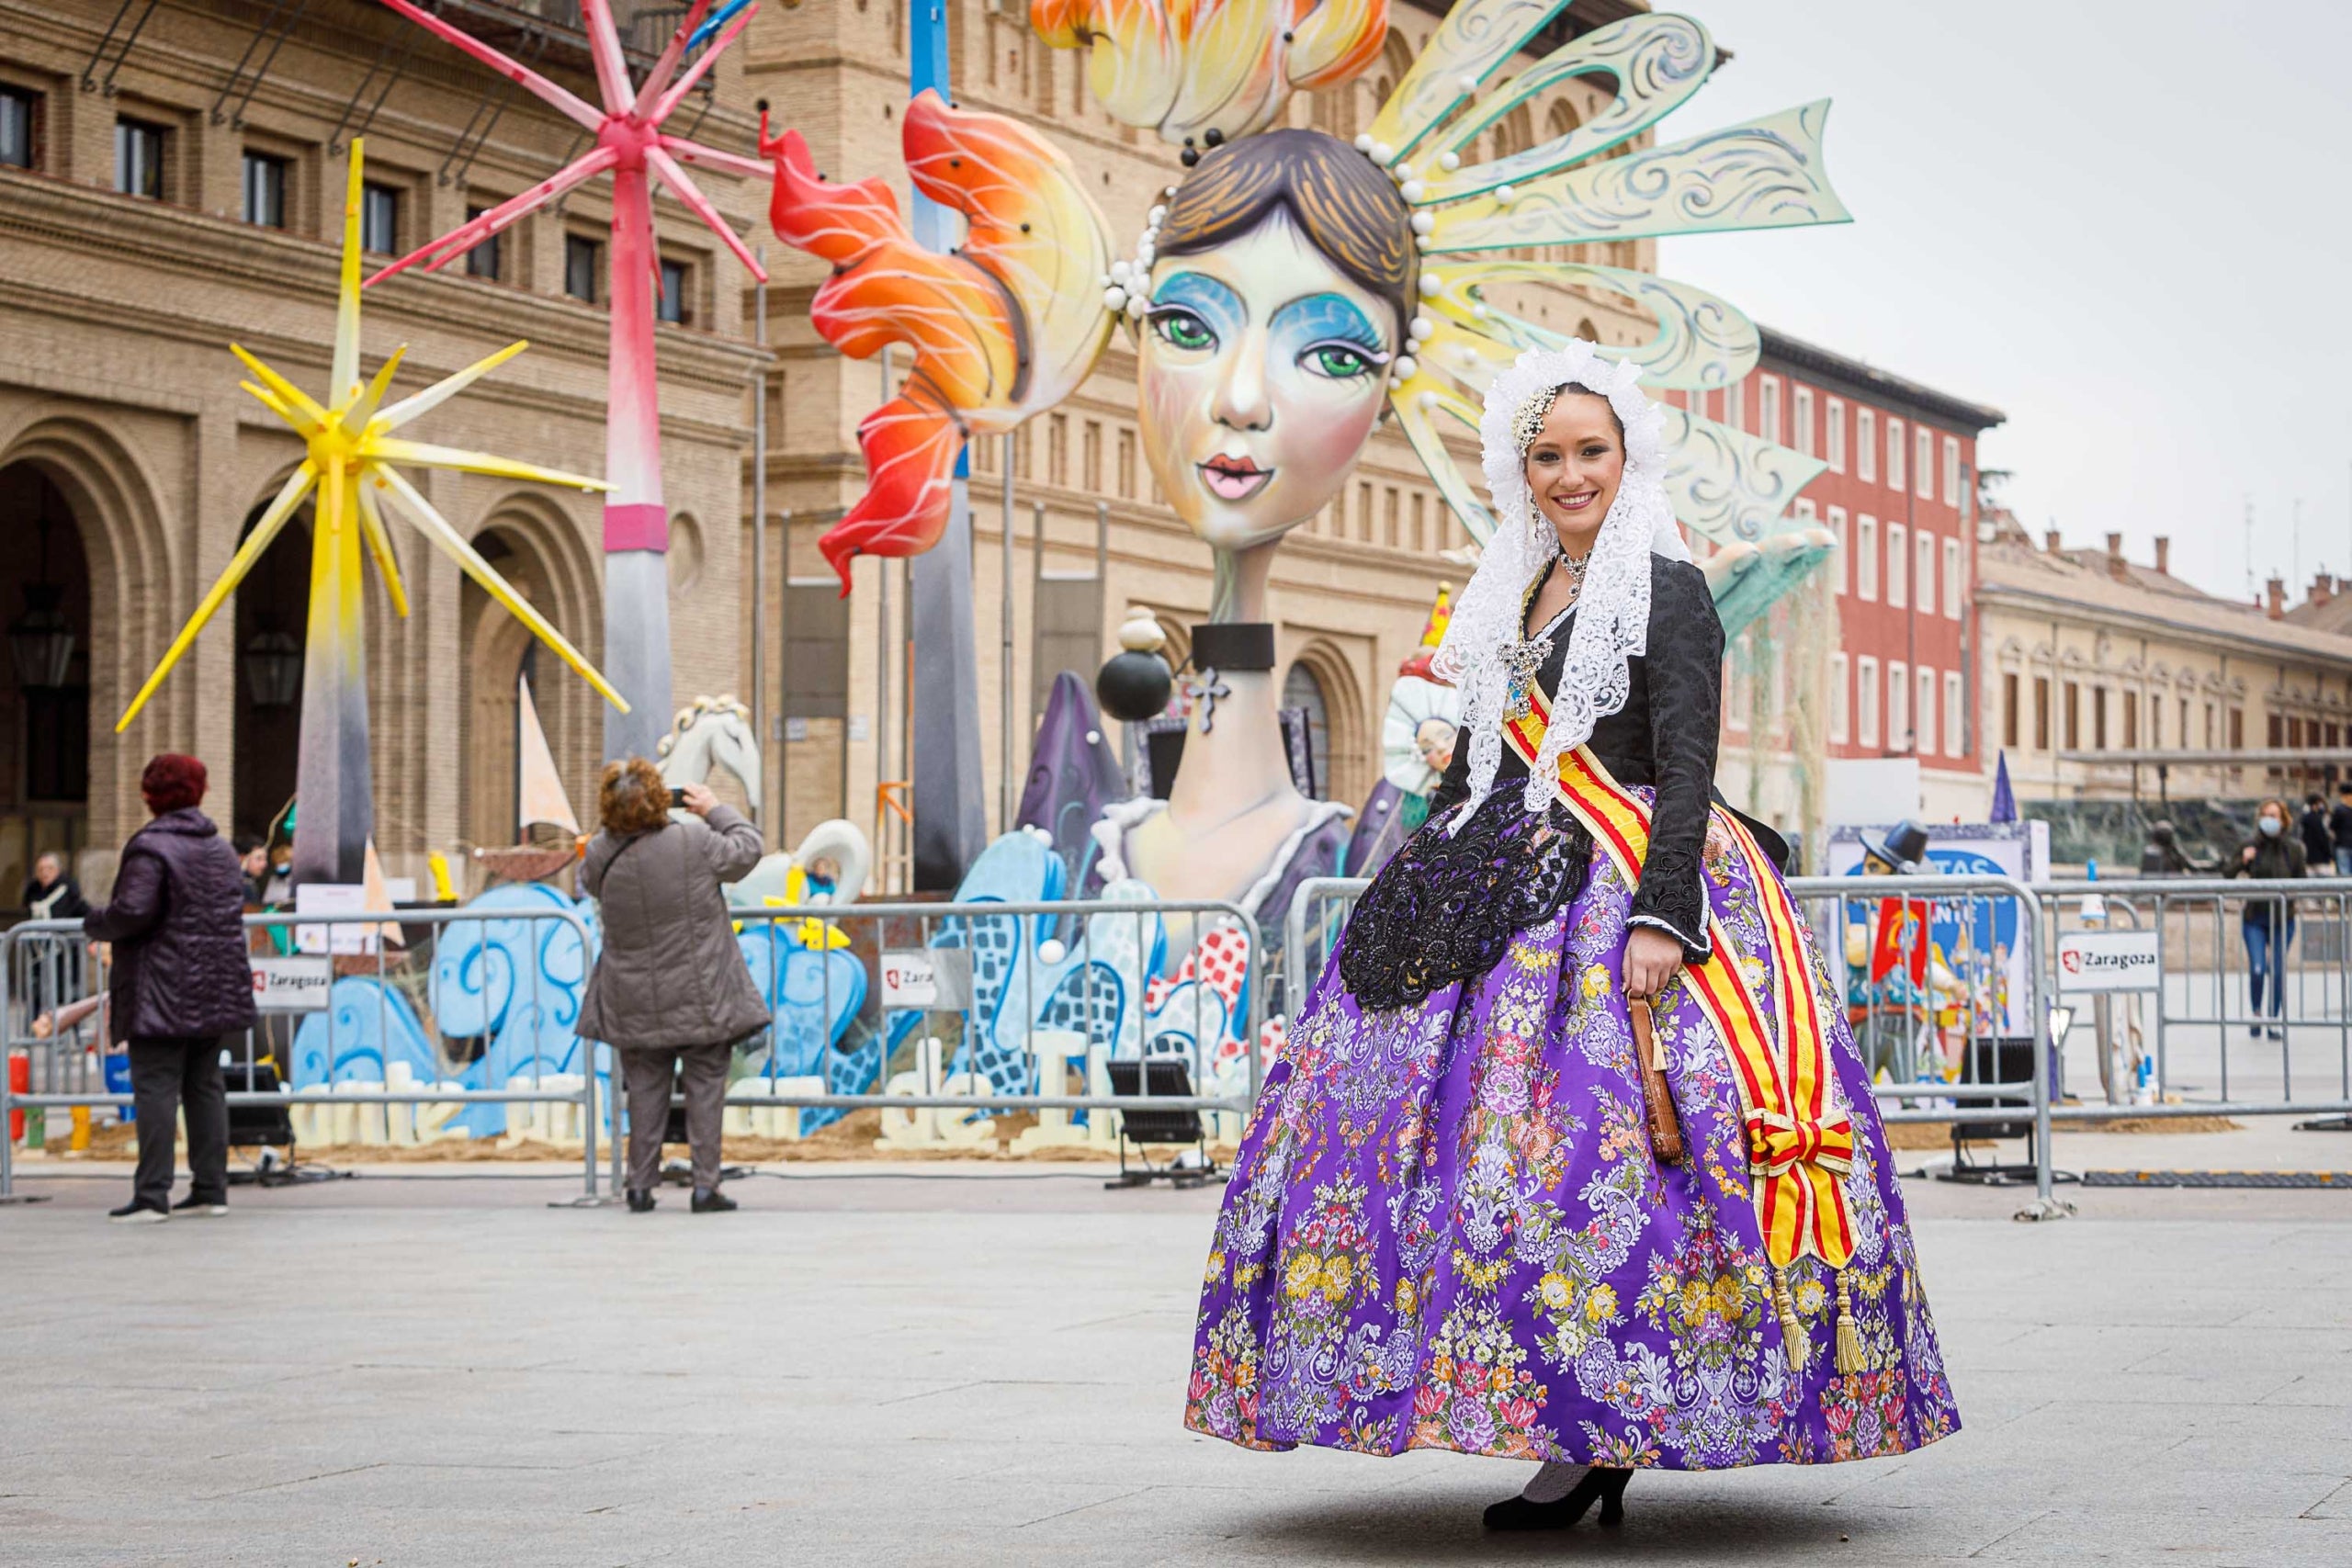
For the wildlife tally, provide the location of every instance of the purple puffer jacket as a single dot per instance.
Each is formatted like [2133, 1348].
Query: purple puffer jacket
[180, 961]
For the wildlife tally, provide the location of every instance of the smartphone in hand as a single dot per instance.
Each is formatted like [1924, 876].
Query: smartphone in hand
[678, 798]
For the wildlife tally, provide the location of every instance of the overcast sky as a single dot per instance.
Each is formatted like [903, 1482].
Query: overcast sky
[2124, 224]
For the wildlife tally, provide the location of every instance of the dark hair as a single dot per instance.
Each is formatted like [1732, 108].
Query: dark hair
[1580, 389]
[2315, 798]
[634, 796]
[172, 782]
[1344, 203]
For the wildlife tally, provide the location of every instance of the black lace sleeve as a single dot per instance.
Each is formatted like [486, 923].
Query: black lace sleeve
[1685, 669]
[1454, 788]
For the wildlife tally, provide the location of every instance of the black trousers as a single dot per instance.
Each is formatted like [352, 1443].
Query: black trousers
[167, 1074]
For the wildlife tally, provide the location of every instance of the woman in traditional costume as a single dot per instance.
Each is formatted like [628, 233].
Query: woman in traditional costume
[1569, 1155]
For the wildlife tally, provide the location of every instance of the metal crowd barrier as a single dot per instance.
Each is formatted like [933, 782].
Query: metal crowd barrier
[2200, 1046]
[1982, 995]
[1064, 944]
[1066, 951]
[1961, 1015]
[47, 965]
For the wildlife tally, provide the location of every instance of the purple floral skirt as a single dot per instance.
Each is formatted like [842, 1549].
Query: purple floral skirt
[1445, 1230]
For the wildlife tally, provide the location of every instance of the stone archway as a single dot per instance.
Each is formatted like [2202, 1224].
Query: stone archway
[1347, 751]
[112, 523]
[44, 686]
[539, 551]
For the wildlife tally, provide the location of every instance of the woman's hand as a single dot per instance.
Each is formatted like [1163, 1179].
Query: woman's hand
[698, 798]
[1651, 958]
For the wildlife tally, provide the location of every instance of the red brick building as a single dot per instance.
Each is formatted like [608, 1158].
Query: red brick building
[1899, 494]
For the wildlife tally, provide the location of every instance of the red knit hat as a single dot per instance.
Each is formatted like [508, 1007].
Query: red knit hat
[172, 782]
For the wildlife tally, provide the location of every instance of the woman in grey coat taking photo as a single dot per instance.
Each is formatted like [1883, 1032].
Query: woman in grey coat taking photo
[670, 992]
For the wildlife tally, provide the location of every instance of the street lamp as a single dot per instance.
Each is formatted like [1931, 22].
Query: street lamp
[272, 662]
[40, 641]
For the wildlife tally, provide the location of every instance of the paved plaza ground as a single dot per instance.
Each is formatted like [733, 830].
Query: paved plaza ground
[906, 1365]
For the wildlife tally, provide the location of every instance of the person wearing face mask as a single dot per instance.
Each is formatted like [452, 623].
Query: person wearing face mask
[278, 887]
[2268, 924]
[1532, 1141]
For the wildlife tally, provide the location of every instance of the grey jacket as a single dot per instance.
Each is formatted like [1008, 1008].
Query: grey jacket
[669, 972]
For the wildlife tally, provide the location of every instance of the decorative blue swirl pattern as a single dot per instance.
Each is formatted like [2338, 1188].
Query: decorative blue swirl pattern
[1475, 38]
[1729, 485]
[1703, 341]
[1657, 62]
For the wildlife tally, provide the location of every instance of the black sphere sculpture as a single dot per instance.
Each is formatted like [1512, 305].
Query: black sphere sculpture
[1134, 687]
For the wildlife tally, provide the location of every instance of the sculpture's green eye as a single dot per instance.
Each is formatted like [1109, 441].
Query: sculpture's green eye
[1337, 360]
[1181, 329]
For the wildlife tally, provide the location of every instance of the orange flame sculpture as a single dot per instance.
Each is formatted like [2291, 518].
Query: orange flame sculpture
[1002, 328]
[1188, 67]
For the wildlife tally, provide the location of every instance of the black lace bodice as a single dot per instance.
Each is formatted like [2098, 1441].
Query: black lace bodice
[1444, 909]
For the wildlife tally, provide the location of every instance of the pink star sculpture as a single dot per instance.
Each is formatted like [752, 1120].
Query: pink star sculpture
[630, 144]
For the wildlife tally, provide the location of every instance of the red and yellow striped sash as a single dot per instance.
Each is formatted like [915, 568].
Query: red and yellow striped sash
[1799, 1146]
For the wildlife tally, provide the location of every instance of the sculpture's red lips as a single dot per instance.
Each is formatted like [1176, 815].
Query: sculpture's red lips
[1234, 478]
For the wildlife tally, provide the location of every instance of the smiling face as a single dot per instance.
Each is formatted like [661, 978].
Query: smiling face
[1575, 465]
[1263, 369]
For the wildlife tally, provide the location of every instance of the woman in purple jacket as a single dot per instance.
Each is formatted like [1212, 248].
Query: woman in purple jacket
[182, 979]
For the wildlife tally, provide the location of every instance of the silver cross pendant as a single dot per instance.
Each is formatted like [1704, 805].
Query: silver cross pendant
[1205, 690]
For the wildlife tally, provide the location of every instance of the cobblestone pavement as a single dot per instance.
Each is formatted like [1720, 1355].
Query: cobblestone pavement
[906, 1366]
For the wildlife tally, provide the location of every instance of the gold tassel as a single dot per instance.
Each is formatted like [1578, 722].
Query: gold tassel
[1793, 1333]
[1849, 1338]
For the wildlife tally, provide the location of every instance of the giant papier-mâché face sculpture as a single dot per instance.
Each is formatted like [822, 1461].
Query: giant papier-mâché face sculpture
[1276, 313]
[1263, 371]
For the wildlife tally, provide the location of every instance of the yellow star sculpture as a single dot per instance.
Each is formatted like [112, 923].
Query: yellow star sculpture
[352, 451]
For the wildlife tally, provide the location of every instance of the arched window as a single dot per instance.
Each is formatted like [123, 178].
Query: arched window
[272, 612]
[1302, 689]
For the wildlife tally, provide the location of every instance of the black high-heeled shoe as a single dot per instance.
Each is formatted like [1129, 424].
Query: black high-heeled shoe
[1607, 1486]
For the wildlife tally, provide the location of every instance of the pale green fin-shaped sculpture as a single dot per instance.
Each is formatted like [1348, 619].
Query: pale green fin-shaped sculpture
[1655, 62]
[1727, 485]
[1766, 174]
[1703, 341]
[1476, 37]
[1748, 579]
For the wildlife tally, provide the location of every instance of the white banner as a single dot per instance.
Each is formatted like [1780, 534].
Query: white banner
[333, 898]
[2109, 961]
[292, 985]
[932, 980]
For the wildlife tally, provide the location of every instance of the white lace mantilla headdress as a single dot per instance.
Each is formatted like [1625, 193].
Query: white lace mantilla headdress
[1612, 615]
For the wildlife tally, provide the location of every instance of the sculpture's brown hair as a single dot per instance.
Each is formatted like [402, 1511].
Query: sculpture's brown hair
[1344, 204]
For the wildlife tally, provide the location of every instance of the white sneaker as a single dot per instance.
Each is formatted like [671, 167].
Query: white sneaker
[188, 1208]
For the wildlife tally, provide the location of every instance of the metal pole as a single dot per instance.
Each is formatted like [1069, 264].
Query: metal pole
[783, 675]
[1005, 509]
[881, 689]
[759, 528]
[8, 1018]
[2038, 1001]
[1005, 766]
